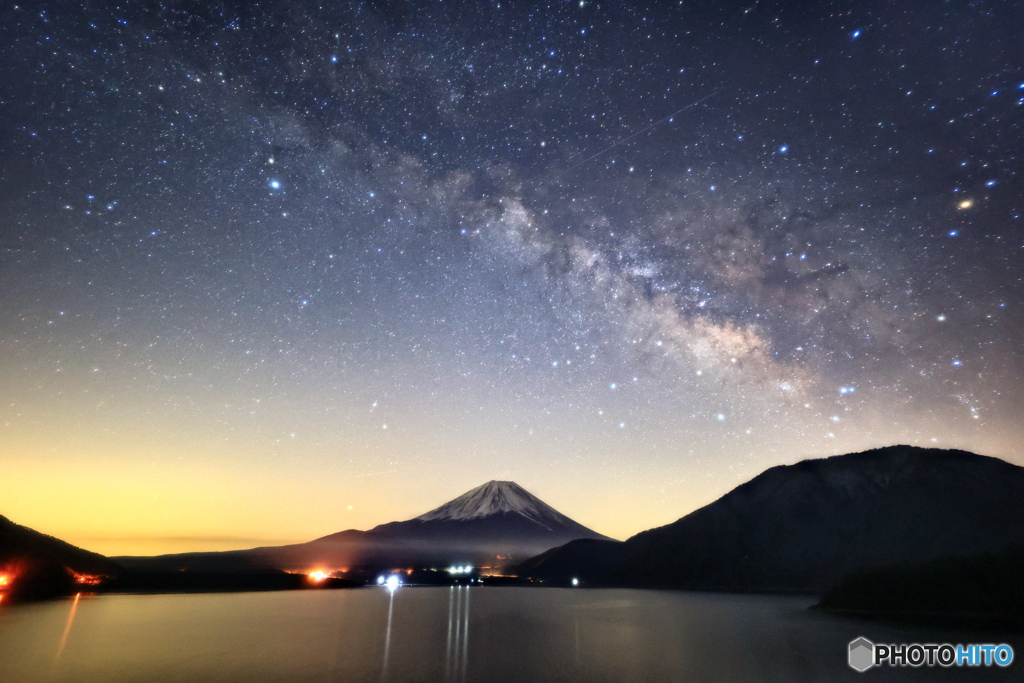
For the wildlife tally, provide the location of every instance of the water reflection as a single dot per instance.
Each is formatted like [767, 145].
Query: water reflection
[456, 657]
[576, 639]
[387, 631]
[67, 627]
[423, 634]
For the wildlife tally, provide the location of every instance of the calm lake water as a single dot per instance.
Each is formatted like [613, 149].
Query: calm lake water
[452, 634]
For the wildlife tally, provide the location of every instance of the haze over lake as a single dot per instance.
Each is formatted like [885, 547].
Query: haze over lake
[450, 633]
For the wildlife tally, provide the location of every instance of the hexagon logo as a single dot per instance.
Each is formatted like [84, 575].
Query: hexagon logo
[862, 654]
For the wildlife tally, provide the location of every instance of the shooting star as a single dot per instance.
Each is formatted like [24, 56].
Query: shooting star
[641, 131]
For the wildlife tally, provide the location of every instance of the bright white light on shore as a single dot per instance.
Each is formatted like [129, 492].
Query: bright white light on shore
[575, 581]
[393, 582]
[380, 580]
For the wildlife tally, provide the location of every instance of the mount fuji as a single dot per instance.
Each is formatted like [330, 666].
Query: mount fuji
[499, 497]
[499, 518]
[496, 523]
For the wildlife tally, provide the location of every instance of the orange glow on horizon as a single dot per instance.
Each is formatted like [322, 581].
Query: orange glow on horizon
[318, 575]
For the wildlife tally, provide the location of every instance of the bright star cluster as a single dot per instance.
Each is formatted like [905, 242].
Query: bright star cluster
[272, 270]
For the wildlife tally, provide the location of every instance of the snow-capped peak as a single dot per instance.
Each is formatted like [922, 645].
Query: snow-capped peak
[496, 497]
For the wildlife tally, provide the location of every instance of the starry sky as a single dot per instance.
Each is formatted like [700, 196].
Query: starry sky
[271, 270]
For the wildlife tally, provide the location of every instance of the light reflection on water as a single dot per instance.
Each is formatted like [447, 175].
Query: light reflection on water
[424, 634]
[456, 652]
[387, 634]
[67, 628]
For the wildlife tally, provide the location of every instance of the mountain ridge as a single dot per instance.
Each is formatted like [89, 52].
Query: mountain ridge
[498, 519]
[37, 565]
[801, 527]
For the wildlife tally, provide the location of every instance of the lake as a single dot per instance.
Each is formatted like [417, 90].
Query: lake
[452, 634]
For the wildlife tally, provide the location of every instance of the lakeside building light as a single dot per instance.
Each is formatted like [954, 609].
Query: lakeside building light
[87, 579]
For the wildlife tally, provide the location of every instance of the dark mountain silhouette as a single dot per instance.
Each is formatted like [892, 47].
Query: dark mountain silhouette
[492, 523]
[802, 527]
[983, 589]
[34, 565]
[589, 559]
[343, 549]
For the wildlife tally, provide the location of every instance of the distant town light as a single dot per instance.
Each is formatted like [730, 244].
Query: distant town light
[319, 575]
[393, 582]
[87, 579]
[575, 581]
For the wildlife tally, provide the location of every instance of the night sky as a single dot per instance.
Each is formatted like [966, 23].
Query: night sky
[271, 270]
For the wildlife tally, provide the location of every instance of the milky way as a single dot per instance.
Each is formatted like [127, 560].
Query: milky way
[359, 258]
